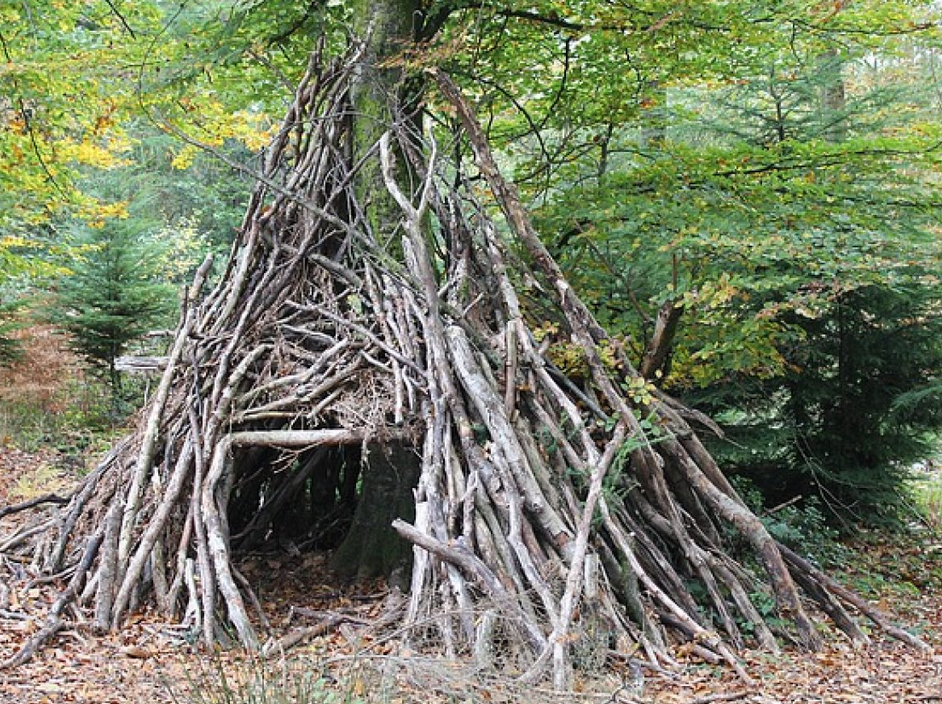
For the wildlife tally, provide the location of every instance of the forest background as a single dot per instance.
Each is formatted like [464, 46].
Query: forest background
[746, 193]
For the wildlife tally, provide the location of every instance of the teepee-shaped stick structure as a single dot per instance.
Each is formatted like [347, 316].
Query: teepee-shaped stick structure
[410, 354]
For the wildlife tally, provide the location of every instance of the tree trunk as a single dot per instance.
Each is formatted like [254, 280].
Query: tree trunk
[372, 548]
[381, 94]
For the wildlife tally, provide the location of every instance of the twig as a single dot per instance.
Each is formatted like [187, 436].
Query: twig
[54, 621]
[722, 697]
[331, 621]
[30, 503]
[783, 505]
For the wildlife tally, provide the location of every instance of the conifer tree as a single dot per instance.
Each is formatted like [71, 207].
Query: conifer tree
[113, 295]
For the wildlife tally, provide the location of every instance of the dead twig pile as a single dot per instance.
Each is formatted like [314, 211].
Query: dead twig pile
[549, 506]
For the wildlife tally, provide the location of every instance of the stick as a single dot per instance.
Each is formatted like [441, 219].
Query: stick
[54, 619]
[30, 503]
[727, 697]
[329, 622]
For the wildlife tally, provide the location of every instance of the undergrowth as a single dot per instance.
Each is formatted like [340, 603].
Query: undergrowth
[49, 401]
[313, 677]
[801, 524]
[925, 491]
[77, 422]
[265, 682]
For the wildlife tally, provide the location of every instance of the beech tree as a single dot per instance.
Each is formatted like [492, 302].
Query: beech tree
[382, 321]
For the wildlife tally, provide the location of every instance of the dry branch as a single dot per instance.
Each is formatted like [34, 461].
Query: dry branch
[32, 503]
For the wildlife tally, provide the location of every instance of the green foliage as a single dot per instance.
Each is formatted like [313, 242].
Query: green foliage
[10, 347]
[67, 88]
[28, 425]
[788, 204]
[114, 296]
[79, 423]
[202, 197]
[801, 524]
[924, 487]
[86, 83]
[833, 424]
[928, 495]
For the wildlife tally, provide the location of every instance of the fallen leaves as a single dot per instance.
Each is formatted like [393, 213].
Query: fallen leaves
[887, 671]
[300, 595]
[137, 652]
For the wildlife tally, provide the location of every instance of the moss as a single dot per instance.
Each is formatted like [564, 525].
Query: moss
[388, 26]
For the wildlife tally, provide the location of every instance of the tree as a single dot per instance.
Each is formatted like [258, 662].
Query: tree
[113, 295]
[89, 88]
[785, 204]
[56, 121]
[342, 323]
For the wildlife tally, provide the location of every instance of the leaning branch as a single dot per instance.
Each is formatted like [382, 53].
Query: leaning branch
[32, 503]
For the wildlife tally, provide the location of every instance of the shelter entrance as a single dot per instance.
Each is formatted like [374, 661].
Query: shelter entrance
[339, 500]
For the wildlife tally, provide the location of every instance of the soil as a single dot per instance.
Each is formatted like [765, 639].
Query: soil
[153, 661]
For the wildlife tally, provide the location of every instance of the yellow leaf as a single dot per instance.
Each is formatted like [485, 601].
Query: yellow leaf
[184, 158]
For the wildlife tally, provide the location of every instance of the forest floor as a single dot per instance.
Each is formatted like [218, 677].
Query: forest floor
[151, 661]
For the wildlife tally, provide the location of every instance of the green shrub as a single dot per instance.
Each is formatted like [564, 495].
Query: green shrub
[801, 524]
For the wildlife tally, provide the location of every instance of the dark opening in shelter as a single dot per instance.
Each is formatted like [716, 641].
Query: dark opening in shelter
[341, 499]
